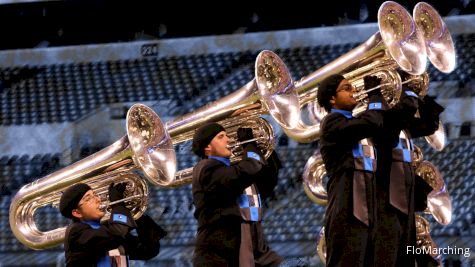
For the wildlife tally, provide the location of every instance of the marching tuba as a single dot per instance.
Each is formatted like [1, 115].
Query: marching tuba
[397, 45]
[440, 51]
[313, 176]
[434, 38]
[322, 246]
[424, 239]
[271, 92]
[420, 85]
[402, 43]
[437, 39]
[148, 147]
[439, 203]
[380, 55]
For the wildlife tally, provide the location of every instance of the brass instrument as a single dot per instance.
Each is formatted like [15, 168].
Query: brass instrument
[148, 147]
[437, 140]
[397, 45]
[380, 55]
[438, 41]
[420, 85]
[424, 240]
[25, 228]
[145, 147]
[261, 129]
[322, 246]
[313, 175]
[418, 156]
[439, 203]
[271, 92]
[440, 51]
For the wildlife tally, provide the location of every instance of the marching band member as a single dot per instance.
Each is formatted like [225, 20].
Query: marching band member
[349, 158]
[399, 192]
[89, 242]
[228, 198]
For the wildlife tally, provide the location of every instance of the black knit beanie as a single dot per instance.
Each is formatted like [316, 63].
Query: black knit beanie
[71, 197]
[203, 137]
[327, 89]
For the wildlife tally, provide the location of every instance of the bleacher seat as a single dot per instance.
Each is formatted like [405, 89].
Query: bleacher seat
[65, 92]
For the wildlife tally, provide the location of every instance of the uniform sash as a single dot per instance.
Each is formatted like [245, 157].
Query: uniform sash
[402, 153]
[365, 164]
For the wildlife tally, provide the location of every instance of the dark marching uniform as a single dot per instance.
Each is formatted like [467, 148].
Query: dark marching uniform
[396, 179]
[90, 243]
[228, 209]
[349, 158]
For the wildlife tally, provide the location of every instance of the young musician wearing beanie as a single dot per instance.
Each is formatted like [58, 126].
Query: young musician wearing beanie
[228, 198]
[90, 242]
[350, 161]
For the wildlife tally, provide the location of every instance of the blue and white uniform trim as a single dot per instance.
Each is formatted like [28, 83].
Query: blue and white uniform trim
[364, 156]
[404, 149]
[226, 161]
[119, 218]
[250, 200]
[411, 93]
[375, 106]
[115, 257]
[253, 155]
[93, 224]
[250, 204]
[345, 113]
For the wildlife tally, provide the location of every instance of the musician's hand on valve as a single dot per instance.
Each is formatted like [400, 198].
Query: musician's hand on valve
[116, 192]
[371, 82]
[244, 134]
[409, 83]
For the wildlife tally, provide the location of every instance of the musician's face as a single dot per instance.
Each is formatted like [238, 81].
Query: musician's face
[88, 207]
[219, 146]
[343, 99]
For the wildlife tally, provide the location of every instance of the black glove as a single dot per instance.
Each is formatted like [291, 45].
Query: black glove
[274, 161]
[116, 192]
[371, 82]
[375, 95]
[149, 235]
[421, 191]
[404, 75]
[431, 106]
[244, 134]
[148, 228]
